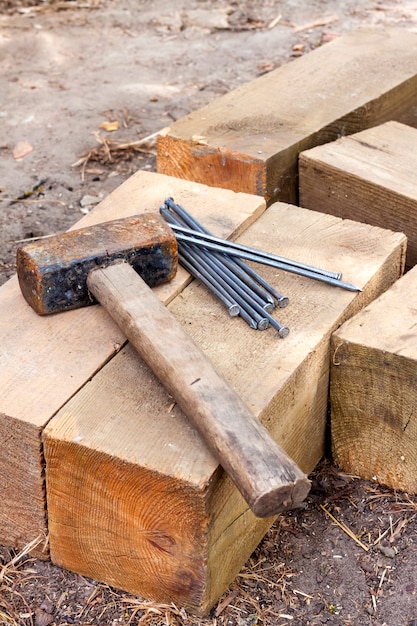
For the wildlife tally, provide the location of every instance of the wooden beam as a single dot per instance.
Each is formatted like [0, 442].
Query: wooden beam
[135, 499]
[368, 177]
[374, 389]
[45, 361]
[250, 138]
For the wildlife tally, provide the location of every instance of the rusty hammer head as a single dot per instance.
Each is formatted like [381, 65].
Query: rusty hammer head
[53, 272]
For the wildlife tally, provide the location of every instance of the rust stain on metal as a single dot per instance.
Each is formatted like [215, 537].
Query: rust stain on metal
[53, 272]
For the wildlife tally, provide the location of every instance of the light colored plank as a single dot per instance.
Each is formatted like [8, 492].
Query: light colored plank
[129, 480]
[229, 429]
[250, 138]
[374, 389]
[44, 361]
[368, 177]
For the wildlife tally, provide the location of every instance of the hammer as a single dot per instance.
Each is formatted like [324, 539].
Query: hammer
[116, 264]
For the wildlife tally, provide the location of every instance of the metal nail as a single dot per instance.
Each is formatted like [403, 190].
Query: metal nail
[246, 273]
[244, 311]
[281, 300]
[229, 274]
[216, 290]
[250, 305]
[200, 232]
[336, 282]
[242, 297]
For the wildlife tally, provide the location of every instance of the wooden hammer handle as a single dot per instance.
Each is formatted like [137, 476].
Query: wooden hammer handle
[269, 480]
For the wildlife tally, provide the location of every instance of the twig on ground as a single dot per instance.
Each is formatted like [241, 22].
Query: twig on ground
[58, 6]
[10, 568]
[6, 618]
[399, 524]
[149, 609]
[323, 21]
[345, 529]
[301, 593]
[275, 21]
[110, 151]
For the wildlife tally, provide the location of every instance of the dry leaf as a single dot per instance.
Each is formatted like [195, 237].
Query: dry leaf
[265, 66]
[298, 50]
[21, 149]
[326, 37]
[110, 126]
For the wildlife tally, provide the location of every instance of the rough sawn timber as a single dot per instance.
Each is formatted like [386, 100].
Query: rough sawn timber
[268, 479]
[135, 499]
[250, 138]
[368, 177]
[44, 361]
[374, 389]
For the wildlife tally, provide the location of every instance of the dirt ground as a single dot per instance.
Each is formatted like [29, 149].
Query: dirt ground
[84, 87]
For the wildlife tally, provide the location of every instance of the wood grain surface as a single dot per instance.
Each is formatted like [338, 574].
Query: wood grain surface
[44, 361]
[250, 138]
[374, 389]
[368, 177]
[123, 428]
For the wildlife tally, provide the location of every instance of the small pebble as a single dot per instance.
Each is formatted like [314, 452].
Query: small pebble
[90, 200]
[386, 551]
[42, 618]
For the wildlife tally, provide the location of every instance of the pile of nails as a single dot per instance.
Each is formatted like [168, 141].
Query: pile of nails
[218, 264]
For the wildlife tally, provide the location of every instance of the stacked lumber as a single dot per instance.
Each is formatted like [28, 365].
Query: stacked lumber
[45, 361]
[369, 177]
[135, 498]
[249, 139]
[374, 389]
[98, 455]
